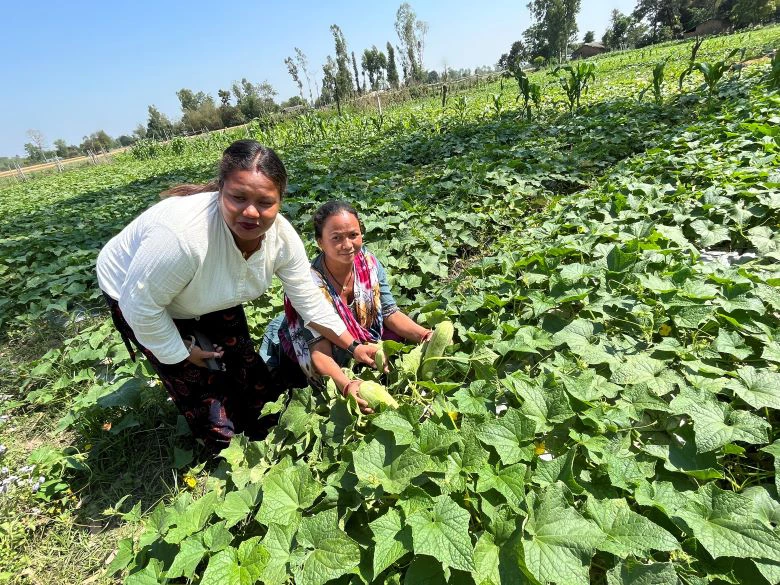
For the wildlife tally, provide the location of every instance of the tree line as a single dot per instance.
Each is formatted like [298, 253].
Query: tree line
[345, 74]
[553, 34]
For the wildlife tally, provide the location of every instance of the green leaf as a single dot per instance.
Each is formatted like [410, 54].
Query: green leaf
[486, 558]
[278, 542]
[286, 494]
[680, 455]
[392, 540]
[724, 523]
[434, 438]
[619, 261]
[642, 369]
[192, 519]
[774, 451]
[380, 462]
[627, 532]
[396, 423]
[508, 481]
[717, 423]
[443, 533]
[124, 554]
[557, 541]
[731, 344]
[425, 571]
[511, 436]
[630, 572]
[239, 504]
[759, 388]
[545, 406]
[330, 552]
[237, 567]
[151, 574]
[191, 553]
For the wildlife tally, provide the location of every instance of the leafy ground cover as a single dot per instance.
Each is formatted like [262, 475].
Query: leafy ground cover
[607, 413]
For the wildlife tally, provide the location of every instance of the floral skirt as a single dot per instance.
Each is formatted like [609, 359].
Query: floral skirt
[216, 404]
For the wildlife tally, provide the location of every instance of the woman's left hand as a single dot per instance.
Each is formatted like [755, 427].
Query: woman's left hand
[365, 352]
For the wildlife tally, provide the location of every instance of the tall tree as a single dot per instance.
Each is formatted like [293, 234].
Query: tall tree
[254, 100]
[511, 61]
[411, 47]
[557, 25]
[374, 63]
[589, 37]
[38, 140]
[749, 12]
[292, 69]
[663, 17]
[303, 64]
[158, 125]
[623, 32]
[329, 83]
[190, 100]
[357, 77]
[392, 70]
[343, 76]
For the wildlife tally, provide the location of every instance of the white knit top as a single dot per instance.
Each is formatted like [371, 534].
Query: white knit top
[178, 260]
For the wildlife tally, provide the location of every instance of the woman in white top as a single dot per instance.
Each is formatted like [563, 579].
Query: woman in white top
[175, 279]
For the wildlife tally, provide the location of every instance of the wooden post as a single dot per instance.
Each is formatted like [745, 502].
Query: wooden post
[379, 105]
[444, 95]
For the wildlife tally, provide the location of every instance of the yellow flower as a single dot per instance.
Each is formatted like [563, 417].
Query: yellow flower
[453, 415]
[190, 481]
[665, 330]
[539, 448]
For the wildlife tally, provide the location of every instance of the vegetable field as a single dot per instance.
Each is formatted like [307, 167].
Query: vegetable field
[607, 247]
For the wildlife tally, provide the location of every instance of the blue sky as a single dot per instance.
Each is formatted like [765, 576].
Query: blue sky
[71, 68]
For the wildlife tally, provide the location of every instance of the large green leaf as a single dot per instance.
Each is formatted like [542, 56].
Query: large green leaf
[237, 567]
[286, 493]
[627, 533]
[724, 523]
[511, 436]
[557, 541]
[443, 533]
[380, 462]
[717, 423]
[329, 552]
[759, 388]
[392, 540]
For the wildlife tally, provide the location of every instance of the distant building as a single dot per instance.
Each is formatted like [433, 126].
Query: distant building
[711, 26]
[589, 50]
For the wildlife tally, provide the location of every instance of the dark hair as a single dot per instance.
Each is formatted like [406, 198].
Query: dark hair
[242, 155]
[328, 209]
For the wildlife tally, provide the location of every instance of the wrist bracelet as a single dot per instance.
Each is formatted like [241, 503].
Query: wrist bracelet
[352, 347]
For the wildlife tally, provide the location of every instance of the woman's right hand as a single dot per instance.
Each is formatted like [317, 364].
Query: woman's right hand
[353, 388]
[199, 356]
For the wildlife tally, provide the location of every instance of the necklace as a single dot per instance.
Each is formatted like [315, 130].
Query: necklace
[247, 253]
[343, 285]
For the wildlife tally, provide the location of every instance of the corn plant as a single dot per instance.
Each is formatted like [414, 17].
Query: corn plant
[774, 71]
[528, 91]
[576, 83]
[497, 105]
[712, 72]
[658, 81]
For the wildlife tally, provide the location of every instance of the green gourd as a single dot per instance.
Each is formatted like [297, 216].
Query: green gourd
[379, 359]
[439, 341]
[376, 395]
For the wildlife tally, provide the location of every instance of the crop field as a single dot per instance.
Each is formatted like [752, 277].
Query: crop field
[606, 414]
